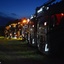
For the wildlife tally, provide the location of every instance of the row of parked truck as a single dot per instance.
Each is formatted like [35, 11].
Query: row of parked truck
[46, 28]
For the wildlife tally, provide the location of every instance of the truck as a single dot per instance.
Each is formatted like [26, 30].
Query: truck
[48, 28]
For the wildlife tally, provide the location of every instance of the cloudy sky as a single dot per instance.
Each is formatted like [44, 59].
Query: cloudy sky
[18, 9]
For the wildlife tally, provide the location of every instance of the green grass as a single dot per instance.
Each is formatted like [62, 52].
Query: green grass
[14, 49]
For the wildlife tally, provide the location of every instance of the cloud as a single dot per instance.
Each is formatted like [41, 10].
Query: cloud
[3, 14]
[14, 14]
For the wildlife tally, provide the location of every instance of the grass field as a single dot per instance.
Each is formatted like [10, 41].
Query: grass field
[15, 49]
[19, 52]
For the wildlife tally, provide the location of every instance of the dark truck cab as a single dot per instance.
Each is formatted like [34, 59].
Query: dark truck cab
[50, 28]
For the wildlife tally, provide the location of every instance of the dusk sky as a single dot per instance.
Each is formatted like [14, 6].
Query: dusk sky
[20, 8]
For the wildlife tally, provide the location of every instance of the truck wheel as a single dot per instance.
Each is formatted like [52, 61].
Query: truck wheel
[42, 45]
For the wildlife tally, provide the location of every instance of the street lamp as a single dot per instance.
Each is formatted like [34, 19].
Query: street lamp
[24, 21]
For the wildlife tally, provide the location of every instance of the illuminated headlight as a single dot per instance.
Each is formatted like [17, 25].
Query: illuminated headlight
[10, 34]
[33, 41]
[31, 29]
[32, 25]
[47, 8]
[9, 25]
[45, 23]
[15, 37]
[14, 32]
[46, 47]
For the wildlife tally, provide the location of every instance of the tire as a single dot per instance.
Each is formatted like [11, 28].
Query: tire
[42, 45]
